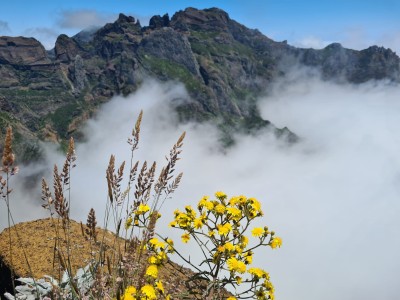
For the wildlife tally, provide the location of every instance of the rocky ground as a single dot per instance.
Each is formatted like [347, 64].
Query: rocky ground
[35, 240]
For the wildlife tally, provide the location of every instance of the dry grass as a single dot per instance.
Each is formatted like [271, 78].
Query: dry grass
[37, 238]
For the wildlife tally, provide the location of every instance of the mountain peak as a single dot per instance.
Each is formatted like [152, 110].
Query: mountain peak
[334, 46]
[126, 19]
[208, 19]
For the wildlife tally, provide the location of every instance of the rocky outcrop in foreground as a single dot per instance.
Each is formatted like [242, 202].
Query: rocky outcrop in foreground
[37, 240]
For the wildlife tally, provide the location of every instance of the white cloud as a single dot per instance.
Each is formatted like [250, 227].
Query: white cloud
[84, 18]
[47, 36]
[357, 38]
[4, 28]
[332, 197]
[311, 42]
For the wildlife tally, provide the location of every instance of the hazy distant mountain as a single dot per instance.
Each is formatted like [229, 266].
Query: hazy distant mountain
[223, 64]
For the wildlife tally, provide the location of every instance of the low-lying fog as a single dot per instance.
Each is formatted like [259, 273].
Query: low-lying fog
[333, 197]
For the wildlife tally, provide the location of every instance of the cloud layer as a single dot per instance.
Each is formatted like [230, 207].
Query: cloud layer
[357, 38]
[83, 18]
[333, 197]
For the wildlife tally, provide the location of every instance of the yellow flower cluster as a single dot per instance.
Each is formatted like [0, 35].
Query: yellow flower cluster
[138, 216]
[222, 223]
[157, 250]
[147, 292]
[235, 265]
[129, 293]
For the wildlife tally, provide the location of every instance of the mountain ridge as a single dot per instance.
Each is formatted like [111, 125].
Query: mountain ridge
[223, 64]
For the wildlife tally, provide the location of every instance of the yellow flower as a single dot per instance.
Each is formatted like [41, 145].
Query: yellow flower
[224, 229]
[233, 201]
[149, 292]
[257, 272]
[153, 260]
[185, 237]
[128, 223]
[153, 241]
[211, 233]
[255, 203]
[276, 242]
[258, 231]
[238, 249]
[238, 279]
[244, 240]
[220, 209]
[229, 246]
[188, 208]
[198, 223]
[202, 202]
[221, 249]
[172, 224]
[248, 258]
[170, 248]
[270, 288]
[235, 265]
[220, 195]
[242, 199]
[143, 208]
[152, 271]
[161, 257]
[209, 205]
[234, 212]
[231, 298]
[268, 285]
[160, 287]
[129, 291]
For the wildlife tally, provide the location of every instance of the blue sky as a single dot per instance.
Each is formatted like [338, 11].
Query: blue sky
[308, 23]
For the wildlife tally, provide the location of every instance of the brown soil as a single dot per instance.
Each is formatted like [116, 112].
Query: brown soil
[36, 239]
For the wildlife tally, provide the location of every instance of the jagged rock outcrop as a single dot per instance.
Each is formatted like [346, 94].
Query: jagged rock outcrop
[66, 49]
[22, 51]
[213, 19]
[224, 65]
[159, 22]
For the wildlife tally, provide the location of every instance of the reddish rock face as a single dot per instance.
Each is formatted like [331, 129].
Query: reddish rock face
[22, 51]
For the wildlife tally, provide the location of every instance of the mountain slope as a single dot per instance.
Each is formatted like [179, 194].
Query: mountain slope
[223, 64]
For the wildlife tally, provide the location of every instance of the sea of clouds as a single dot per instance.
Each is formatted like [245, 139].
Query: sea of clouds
[333, 197]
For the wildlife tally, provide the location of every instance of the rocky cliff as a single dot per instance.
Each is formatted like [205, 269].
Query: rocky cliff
[223, 64]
